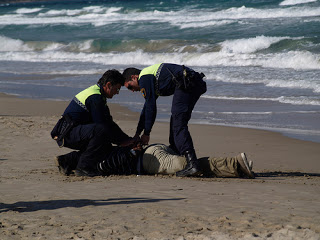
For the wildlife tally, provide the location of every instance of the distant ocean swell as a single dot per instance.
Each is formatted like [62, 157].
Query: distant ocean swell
[185, 18]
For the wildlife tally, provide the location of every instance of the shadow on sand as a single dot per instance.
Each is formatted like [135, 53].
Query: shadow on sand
[78, 203]
[286, 174]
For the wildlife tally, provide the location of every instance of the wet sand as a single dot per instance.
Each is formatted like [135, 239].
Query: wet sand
[37, 202]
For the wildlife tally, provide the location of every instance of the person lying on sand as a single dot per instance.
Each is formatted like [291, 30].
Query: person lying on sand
[160, 159]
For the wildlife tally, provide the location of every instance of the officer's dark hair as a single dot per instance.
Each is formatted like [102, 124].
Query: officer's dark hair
[113, 76]
[127, 73]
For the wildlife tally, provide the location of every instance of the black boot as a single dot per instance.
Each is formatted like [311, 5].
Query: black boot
[192, 168]
[65, 164]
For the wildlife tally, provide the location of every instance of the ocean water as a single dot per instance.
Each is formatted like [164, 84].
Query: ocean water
[261, 58]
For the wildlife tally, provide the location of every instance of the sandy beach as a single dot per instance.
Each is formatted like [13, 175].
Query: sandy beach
[37, 202]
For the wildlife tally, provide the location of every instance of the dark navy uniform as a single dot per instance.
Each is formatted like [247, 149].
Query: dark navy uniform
[94, 130]
[163, 80]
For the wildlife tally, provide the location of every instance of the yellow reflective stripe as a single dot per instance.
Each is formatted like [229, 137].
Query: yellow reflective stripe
[150, 70]
[82, 96]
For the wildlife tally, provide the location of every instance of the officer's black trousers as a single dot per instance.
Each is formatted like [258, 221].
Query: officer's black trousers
[92, 142]
[183, 103]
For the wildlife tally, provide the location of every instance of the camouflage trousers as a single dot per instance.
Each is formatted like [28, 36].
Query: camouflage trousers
[160, 159]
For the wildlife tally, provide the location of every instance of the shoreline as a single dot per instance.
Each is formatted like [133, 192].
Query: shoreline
[38, 202]
[290, 133]
[294, 121]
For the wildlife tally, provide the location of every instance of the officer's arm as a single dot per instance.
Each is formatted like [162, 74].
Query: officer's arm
[100, 114]
[95, 106]
[140, 127]
[116, 136]
[150, 106]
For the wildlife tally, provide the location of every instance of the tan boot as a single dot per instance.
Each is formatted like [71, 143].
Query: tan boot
[245, 166]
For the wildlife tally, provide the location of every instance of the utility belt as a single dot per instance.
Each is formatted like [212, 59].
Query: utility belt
[187, 82]
[61, 129]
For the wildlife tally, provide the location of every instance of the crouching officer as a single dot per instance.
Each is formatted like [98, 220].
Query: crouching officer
[87, 126]
[186, 86]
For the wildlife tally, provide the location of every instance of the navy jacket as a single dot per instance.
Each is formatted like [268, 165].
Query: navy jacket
[97, 112]
[147, 87]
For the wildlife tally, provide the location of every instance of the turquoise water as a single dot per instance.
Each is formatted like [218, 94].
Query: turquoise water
[261, 58]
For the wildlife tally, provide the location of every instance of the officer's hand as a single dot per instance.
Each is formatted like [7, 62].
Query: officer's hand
[137, 147]
[145, 139]
[126, 143]
[136, 138]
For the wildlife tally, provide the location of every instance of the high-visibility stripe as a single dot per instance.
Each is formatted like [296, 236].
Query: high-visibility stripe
[150, 70]
[82, 96]
[155, 71]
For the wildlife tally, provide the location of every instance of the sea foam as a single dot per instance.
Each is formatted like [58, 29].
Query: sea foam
[27, 10]
[249, 45]
[238, 52]
[282, 99]
[9, 44]
[295, 2]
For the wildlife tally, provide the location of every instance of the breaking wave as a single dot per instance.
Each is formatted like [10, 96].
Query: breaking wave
[295, 2]
[241, 52]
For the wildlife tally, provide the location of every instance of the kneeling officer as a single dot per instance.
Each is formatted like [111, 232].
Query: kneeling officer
[186, 86]
[87, 125]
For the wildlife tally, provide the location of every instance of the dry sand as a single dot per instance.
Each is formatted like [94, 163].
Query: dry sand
[39, 203]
